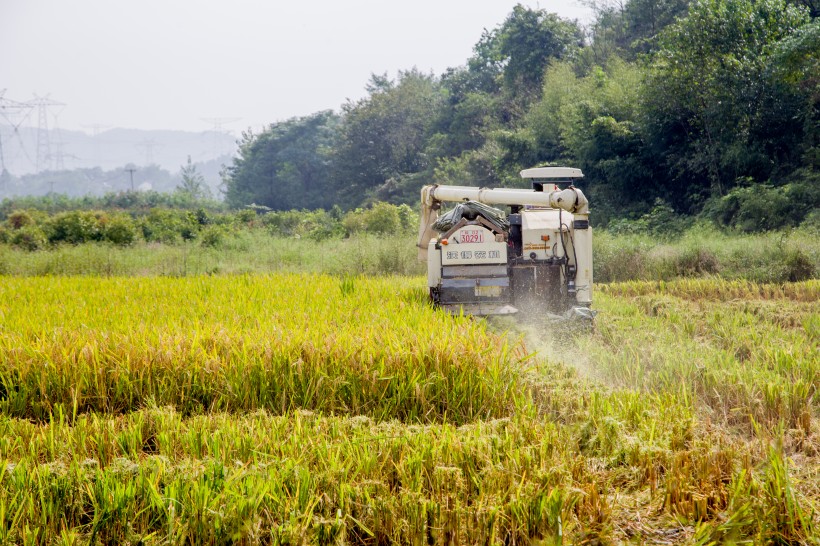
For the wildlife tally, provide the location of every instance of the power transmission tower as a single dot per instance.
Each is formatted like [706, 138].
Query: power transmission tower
[96, 129]
[59, 156]
[219, 132]
[148, 145]
[8, 110]
[43, 143]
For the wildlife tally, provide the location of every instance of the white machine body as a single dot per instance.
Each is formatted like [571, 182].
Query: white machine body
[540, 263]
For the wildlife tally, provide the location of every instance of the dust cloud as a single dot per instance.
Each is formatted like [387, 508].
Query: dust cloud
[556, 341]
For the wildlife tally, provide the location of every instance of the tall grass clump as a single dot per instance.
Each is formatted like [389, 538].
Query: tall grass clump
[219, 250]
[704, 251]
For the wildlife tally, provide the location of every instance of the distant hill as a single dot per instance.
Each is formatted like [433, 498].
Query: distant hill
[111, 149]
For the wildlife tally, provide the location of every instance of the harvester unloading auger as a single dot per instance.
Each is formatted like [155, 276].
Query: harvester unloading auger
[536, 261]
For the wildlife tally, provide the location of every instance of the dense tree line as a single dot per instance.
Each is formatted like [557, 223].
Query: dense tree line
[708, 107]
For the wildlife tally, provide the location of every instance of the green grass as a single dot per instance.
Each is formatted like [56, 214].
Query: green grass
[700, 252]
[244, 252]
[704, 251]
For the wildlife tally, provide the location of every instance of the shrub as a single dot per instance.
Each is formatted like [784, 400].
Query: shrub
[766, 207]
[120, 230]
[76, 227]
[661, 221]
[799, 267]
[285, 223]
[202, 217]
[696, 262]
[319, 224]
[408, 217]
[19, 219]
[168, 226]
[812, 222]
[213, 236]
[246, 216]
[29, 238]
[380, 219]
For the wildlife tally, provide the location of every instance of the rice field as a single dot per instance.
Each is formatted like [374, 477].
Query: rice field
[317, 409]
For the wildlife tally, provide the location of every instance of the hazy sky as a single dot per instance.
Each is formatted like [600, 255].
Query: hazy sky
[167, 64]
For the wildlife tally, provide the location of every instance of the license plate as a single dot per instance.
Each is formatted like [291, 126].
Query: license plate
[488, 291]
[472, 236]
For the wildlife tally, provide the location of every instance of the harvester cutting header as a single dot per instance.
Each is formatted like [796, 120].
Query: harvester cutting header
[537, 260]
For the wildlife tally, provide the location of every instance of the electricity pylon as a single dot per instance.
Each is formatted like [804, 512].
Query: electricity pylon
[148, 145]
[218, 124]
[43, 143]
[96, 129]
[8, 110]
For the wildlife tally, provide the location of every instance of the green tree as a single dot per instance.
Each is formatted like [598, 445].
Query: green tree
[383, 137]
[478, 137]
[592, 122]
[528, 41]
[287, 166]
[628, 29]
[796, 62]
[510, 60]
[714, 111]
[192, 182]
[813, 6]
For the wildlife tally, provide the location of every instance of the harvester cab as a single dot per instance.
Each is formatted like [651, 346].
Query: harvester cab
[535, 261]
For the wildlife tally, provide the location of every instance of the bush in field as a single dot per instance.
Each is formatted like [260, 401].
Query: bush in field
[380, 219]
[213, 236]
[286, 223]
[662, 221]
[120, 230]
[318, 224]
[764, 207]
[168, 226]
[246, 217]
[19, 219]
[5, 235]
[799, 266]
[408, 217]
[29, 238]
[812, 222]
[695, 262]
[202, 217]
[76, 227]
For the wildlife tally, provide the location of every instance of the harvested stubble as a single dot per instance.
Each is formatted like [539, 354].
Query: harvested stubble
[749, 353]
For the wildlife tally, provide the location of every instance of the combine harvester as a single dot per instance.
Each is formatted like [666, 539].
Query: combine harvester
[537, 261]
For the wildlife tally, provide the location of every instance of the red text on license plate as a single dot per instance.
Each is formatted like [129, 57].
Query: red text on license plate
[472, 236]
